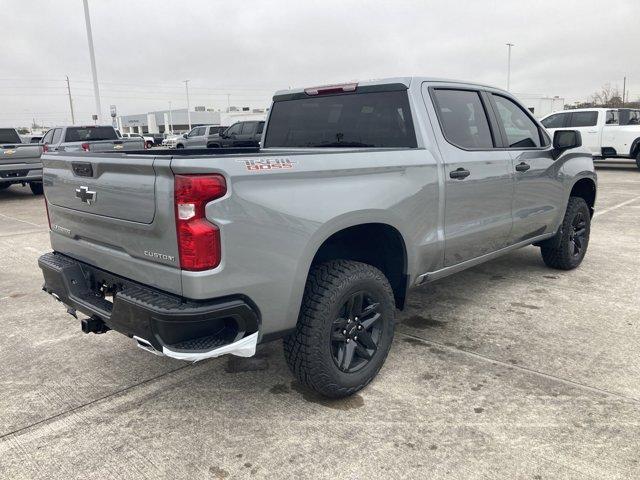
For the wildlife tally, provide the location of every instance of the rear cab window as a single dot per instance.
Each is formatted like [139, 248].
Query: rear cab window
[379, 119]
[85, 134]
[9, 135]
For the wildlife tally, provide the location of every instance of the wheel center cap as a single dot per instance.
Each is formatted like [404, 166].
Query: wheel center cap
[352, 331]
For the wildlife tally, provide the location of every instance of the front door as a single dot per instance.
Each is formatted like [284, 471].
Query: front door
[478, 176]
[538, 191]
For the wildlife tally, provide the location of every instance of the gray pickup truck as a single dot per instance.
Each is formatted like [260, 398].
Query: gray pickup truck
[91, 138]
[360, 192]
[19, 162]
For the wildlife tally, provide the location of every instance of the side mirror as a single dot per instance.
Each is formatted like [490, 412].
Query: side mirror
[566, 139]
[184, 135]
[222, 134]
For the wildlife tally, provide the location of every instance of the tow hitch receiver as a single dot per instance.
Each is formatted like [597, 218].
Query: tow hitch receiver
[93, 325]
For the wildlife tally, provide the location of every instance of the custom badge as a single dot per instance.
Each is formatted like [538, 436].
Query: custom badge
[259, 165]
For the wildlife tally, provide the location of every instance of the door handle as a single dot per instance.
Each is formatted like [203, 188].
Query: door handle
[523, 167]
[459, 173]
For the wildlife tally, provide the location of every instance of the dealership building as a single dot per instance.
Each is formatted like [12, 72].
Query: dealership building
[177, 121]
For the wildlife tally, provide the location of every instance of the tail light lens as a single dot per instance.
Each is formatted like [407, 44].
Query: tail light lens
[198, 239]
[85, 147]
[45, 147]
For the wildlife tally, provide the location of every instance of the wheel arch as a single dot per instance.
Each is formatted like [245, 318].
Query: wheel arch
[376, 243]
[586, 189]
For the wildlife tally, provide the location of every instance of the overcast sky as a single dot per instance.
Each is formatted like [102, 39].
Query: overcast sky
[144, 49]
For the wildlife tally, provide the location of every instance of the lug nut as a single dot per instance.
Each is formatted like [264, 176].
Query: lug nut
[344, 332]
[359, 327]
[356, 337]
[348, 340]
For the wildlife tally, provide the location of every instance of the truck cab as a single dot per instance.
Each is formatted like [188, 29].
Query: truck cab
[606, 132]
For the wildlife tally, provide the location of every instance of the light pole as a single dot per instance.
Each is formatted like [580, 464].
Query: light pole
[170, 119]
[73, 117]
[509, 45]
[186, 86]
[94, 73]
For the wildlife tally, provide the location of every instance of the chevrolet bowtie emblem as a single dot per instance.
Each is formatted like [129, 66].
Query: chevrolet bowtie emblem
[86, 195]
[9, 152]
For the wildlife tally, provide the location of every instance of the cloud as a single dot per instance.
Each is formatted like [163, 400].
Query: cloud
[144, 49]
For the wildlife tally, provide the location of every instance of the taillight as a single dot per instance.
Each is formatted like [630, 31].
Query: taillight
[329, 89]
[198, 239]
[85, 147]
[45, 148]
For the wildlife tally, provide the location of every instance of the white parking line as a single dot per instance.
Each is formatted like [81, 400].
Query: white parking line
[615, 207]
[21, 221]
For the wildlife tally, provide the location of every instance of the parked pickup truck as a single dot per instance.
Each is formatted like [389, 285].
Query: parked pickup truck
[198, 136]
[148, 139]
[606, 132]
[361, 192]
[19, 162]
[88, 138]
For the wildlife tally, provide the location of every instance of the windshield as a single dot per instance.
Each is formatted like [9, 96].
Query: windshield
[84, 134]
[379, 119]
[9, 135]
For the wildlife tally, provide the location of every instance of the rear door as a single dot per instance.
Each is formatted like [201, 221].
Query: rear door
[586, 122]
[198, 139]
[478, 175]
[246, 136]
[538, 191]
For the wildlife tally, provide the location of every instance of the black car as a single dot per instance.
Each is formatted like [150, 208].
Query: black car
[240, 134]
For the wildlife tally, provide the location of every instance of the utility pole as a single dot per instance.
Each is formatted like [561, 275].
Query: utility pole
[73, 118]
[228, 102]
[509, 45]
[92, 56]
[624, 90]
[170, 119]
[186, 86]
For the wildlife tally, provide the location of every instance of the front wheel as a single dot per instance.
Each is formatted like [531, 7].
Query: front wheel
[149, 144]
[568, 247]
[344, 330]
[638, 159]
[36, 188]
[179, 145]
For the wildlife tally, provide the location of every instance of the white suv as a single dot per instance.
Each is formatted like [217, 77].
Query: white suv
[606, 132]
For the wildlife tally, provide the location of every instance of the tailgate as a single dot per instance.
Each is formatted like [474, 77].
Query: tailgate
[117, 145]
[26, 153]
[105, 185]
[115, 212]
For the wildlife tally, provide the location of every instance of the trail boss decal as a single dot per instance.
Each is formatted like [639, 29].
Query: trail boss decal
[258, 165]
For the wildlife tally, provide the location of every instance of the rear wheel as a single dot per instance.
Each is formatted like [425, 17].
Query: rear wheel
[638, 159]
[344, 330]
[36, 188]
[149, 144]
[568, 247]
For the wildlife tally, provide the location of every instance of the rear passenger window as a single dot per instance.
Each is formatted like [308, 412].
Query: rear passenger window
[554, 121]
[584, 119]
[463, 118]
[612, 117]
[522, 132]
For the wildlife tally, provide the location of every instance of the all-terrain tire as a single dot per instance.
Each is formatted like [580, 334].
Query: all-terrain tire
[561, 251]
[309, 350]
[638, 159]
[36, 188]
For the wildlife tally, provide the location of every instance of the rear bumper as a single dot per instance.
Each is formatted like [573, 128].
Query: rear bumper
[160, 322]
[20, 172]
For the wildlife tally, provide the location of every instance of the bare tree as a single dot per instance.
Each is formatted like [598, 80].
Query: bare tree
[607, 96]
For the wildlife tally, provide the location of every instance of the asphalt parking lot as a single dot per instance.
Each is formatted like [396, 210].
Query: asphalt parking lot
[509, 370]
